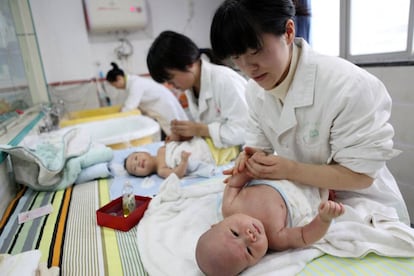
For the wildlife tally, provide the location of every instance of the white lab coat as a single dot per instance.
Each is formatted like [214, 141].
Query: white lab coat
[221, 104]
[333, 111]
[154, 100]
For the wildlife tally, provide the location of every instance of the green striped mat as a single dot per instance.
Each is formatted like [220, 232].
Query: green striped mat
[69, 237]
[372, 264]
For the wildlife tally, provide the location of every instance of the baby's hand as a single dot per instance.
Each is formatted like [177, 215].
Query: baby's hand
[176, 138]
[330, 209]
[237, 180]
[185, 155]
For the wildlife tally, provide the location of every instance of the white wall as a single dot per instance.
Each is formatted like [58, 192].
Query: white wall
[400, 83]
[69, 52]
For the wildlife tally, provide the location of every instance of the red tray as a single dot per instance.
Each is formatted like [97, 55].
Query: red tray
[111, 214]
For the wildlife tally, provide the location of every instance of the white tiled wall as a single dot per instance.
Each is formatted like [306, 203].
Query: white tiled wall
[400, 84]
[84, 95]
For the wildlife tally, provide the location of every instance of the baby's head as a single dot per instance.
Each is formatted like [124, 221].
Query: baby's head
[140, 163]
[230, 246]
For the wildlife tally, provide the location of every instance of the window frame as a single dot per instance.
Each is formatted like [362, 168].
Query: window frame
[390, 58]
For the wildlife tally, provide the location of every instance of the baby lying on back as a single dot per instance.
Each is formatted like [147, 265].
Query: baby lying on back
[262, 215]
[180, 157]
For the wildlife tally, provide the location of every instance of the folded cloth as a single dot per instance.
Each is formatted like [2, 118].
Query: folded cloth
[52, 161]
[164, 235]
[40, 159]
[222, 156]
[96, 171]
[96, 154]
[75, 165]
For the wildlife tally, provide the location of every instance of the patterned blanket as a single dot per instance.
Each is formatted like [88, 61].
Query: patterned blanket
[69, 238]
[53, 161]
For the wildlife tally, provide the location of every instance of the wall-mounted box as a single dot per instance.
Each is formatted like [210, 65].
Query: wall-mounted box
[104, 16]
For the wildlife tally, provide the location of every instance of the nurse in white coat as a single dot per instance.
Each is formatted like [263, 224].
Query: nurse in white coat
[215, 93]
[152, 98]
[326, 118]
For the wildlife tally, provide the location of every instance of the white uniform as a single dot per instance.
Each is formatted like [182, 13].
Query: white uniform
[221, 104]
[154, 100]
[333, 111]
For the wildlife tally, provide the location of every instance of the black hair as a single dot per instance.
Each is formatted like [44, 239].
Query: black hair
[171, 50]
[114, 73]
[125, 164]
[238, 24]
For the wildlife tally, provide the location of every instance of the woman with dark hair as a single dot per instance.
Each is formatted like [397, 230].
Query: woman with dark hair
[215, 93]
[326, 118]
[152, 98]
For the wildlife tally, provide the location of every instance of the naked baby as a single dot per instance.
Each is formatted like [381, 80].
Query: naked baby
[263, 215]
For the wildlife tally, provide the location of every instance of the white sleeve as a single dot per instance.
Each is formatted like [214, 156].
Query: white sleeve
[233, 115]
[135, 93]
[361, 137]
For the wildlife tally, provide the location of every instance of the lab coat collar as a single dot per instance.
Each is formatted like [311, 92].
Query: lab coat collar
[301, 91]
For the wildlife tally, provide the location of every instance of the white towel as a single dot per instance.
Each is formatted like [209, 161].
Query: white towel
[25, 263]
[367, 226]
[200, 163]
[177, 216]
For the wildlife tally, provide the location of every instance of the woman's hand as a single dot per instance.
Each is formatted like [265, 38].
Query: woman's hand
[176, 138]
[183, 128]
[240, 162]
[260, 165]
[188, 128]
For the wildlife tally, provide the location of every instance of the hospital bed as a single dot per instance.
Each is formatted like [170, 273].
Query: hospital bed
[69, 237]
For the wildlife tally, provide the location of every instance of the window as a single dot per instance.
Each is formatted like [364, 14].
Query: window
[324, 33]
[368, 31]
[14, 91]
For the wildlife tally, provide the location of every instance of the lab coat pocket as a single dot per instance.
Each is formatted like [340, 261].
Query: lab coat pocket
[309, 136]
[313, 144]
